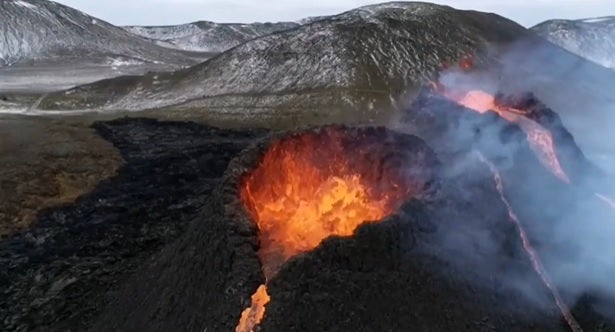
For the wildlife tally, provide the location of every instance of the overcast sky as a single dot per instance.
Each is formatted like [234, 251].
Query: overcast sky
[161, 12]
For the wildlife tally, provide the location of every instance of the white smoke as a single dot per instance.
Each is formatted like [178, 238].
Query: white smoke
[572, 228]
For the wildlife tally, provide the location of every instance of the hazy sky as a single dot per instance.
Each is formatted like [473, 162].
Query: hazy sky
[160, 12]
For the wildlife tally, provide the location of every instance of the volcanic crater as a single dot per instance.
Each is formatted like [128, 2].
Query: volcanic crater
[369, 229]
[324, 182]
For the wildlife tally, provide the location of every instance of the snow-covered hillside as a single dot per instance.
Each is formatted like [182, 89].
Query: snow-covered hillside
[593, 38]
[362, 59]
[36, 31]
[207, 36]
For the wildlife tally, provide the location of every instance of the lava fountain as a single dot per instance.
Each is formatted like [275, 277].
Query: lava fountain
[316, 184]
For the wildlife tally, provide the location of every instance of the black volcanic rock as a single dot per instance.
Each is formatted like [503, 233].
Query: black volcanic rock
[97, 265]
[432, 114]
[388, 277]
[453, 253]
[55, 277]
[573, 160]
[549, 209]
[217, 256]
[570, 84]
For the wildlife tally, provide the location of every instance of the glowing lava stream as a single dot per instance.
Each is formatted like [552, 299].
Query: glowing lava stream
[540, 139]
[251, 316]
[531, 252]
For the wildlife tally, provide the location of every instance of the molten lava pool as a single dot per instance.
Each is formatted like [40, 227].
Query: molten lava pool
[320, 183]
[317, 184]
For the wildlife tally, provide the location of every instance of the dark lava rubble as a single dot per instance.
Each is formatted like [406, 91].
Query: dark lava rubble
[54, 277]
[166, 246]
[400, 275]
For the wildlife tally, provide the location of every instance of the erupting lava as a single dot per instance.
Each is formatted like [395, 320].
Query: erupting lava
[539, 138]
[541, 142]
[310, 186]
[574, 325]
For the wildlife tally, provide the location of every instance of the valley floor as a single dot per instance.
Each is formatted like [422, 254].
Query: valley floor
[42, 78]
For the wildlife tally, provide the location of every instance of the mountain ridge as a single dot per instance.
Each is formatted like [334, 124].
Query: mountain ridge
[207, 36]
[591, 38]
[39, 31]
[362, 59]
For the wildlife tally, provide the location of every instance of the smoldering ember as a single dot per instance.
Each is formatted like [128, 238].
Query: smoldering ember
[472, 208]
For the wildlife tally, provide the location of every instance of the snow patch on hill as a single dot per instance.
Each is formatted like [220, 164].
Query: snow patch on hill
[41, 30]
[25, 4]
[207, 36]
[591, 38]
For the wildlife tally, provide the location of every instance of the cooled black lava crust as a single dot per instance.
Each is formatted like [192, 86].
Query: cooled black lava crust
[167, 246]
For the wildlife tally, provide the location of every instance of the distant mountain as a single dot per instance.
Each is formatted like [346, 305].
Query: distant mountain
[359, 61]
[593, 38]
[204, 36]
[41, 31]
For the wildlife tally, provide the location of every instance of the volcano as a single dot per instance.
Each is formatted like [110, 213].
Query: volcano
[479, 207]
[318, 184]
[365, 228]
[379, 228]
[471, 209]
[535, 127]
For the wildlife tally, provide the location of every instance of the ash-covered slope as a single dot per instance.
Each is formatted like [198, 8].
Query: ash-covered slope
[205, 36]
[358, 61]
[45, 31]
[593, 38]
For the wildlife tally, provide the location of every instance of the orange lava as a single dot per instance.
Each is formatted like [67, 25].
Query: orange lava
[541, 142]
[311, 186]
[251, 316]
[539, 138]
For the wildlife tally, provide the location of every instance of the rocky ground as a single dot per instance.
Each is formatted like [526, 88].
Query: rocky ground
[55, 276]
[47, 163]
[159, 244]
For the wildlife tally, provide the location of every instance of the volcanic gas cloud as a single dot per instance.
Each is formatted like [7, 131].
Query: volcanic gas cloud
[316, 184]
[541, 141]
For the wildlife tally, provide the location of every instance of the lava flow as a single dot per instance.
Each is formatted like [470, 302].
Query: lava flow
[314, 185]
[531, 252]
[541, 142]
[539, 138]
[251, 316]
